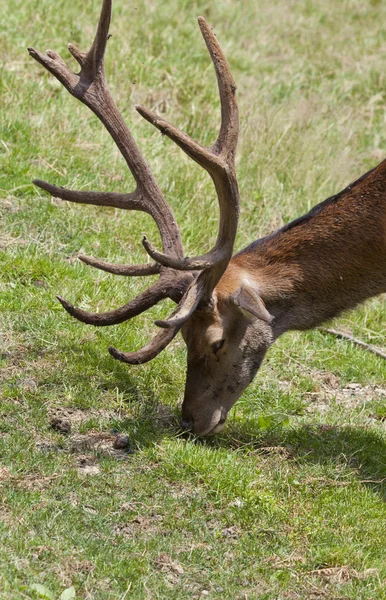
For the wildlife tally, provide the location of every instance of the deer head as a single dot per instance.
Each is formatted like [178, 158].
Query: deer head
[190, 282]
[226, 345]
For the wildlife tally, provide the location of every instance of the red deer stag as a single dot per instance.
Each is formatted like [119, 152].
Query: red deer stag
[230, 309]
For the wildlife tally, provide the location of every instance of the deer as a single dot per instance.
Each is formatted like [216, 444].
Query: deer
[230, 308]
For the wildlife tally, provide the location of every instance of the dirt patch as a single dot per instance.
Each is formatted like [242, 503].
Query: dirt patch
[12, 352]
[60, 425]
[87, 465]
[171, 569]
[9, 204]
[71, 567]
[6, 516]
[343, 574]
[102, 444]
[77, 416]
[5, 474]
[19, 363]
[140, 525]
[27, 384]
[164, 563]
[294, 559]
[355, 395]
[165, 417]
[33, 481]
[287, 452]
[89, 449]
[6, 241]
[352, 396]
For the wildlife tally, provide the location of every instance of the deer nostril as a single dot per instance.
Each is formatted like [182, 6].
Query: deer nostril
[187, 424]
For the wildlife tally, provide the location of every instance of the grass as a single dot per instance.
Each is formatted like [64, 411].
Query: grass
[289, 502]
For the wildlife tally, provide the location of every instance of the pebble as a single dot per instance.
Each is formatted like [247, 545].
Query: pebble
[121, 442]
[60, 425]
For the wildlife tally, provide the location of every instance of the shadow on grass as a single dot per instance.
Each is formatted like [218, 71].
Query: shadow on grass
[360, 450]
[143, 417]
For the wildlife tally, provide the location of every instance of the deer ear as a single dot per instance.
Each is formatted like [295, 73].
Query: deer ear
[249, 301]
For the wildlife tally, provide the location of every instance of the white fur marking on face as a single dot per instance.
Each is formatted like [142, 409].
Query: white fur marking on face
[218, 428]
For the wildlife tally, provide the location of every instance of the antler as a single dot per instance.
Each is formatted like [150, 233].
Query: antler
[219, 161]
[175, 281]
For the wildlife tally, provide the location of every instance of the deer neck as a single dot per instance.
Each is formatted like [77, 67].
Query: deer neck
[322, 264]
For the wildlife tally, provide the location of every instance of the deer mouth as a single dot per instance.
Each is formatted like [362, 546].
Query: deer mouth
[220, 425]
[214, 426]
[217, 429]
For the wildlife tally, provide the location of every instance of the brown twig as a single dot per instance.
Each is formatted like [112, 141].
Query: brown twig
[354, 340]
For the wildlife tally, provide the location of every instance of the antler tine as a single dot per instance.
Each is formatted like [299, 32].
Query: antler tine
[129, 201]
[90, 87]
[148, 352]
[97, 50]
[217, 159]
[126, 270]
[151, 296]
[226, 142]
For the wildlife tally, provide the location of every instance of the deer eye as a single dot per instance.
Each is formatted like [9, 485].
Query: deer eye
[217, 346]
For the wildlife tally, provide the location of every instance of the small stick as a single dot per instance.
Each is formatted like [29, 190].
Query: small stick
[45, 162]
[346, 336]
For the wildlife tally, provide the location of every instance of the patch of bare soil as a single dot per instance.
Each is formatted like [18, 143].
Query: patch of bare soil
[64, 420]
[286, 452]
[165, 417]
[60, 425]
[5, 474]
[32, 481]
[70, 567]
[352, 396]
[343, 574]
[6, 516]
[356, 395]
[6, 241]
[12, 350]
[77, 416]
[170, 568]
[95, 444]
[294, 559]
[140, 525]
[87, 465]
[18, 367]
[9, 204]
[88, 448]
[101, 444]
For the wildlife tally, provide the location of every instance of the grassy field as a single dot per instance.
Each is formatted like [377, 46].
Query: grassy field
[289, 502]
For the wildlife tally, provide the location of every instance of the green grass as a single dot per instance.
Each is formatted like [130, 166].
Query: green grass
[289, 502]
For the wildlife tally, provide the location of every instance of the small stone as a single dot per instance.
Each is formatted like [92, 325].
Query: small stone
[60, 425]
[121, 442]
